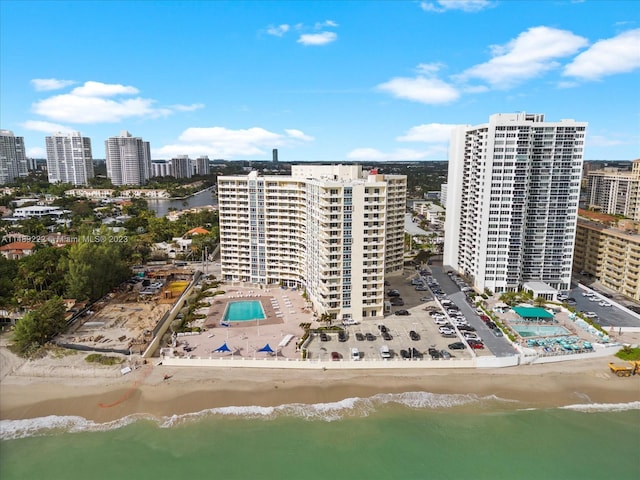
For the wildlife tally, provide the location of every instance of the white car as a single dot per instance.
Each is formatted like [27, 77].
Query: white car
[604, 304]
[587, 294]
[591, 315]
[471, 336]
[447, 331]
[440, 320]
[350, 321]
[594, 299]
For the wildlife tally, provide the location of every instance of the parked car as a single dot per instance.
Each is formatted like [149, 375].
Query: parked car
[393, 293]
[425, 299]
[414, 353]
[370, 337]
[386, 336]
[445, 355]
[383, 328]
[335, 356]
[440, 321]
[476, 345]
[466, 328]
[359, 337]
[355, 354]
[446, 331]
[457, 346]
[324, 337]
[397, 302]
[350, 321]
[402, 312]
[604, 304]
[470, 335]
[405, 354]
[342, 336]
[591, 315]
[421, 288]
[414, 335]
[571, 301]
[435, 354]
[497, 332]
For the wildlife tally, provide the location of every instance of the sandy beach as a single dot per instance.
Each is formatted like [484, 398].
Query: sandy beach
[103, 395]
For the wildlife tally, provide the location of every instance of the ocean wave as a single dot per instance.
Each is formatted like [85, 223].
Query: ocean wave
[603, 407]
[329, 411]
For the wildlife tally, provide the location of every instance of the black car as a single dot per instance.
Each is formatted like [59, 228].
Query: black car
[370, 337]
[435, 354]
[382, 328]
[397, 302]
[342, 336]
[457, 346]
[393, 293]
[386, 335]
[359, 337]
[466, 328]
[405, 354]
[324, 337]
[402, 312]
[414, 335]
[491, 324]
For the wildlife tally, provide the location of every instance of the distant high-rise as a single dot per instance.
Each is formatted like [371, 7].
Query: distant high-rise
[181, 166]
[69, 158]
[274, 154]
[614, 191]
[13, 161]
[512, 201]
[128, 159]
[202, 165]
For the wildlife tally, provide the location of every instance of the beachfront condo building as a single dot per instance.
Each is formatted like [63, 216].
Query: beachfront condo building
[333, 231]
[69, 158]
[128, 159]
[611, 254]
[615, 191]
[13, 160]
[512, 201]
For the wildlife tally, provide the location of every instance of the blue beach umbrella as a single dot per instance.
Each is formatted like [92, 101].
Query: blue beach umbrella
[223, 348]
[266, 349]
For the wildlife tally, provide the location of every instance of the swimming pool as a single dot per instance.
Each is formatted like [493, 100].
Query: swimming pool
[243, 311]
[540, 330]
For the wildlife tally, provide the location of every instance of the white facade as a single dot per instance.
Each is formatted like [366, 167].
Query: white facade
[69, 158]
[128, 160]
[329, 229]
[181, 166]
[202, 165]
[161, 168]
[512, 201]
[13, 160]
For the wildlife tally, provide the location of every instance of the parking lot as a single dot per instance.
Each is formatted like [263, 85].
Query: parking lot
[419, 303]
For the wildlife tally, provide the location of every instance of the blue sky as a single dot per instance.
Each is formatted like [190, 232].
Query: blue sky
[330, 80]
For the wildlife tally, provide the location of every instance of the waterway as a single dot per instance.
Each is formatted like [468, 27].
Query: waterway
[199, 199]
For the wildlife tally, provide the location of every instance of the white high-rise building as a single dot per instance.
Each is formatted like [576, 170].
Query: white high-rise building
[202, 165]
[13, 160]
[182, 166]
[128, 159]
[69, 158]
[331, 230]
[512, 201]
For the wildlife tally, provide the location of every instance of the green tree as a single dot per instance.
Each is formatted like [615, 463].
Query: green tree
[8, 274]
[95, 268]
[41, 275]
[38, 326]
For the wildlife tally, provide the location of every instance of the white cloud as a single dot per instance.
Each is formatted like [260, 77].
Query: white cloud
[372, 154]
[221, 142]
[46, 127]
[36, 152]
[421, 89]
[45, 84]
[188, 108]
[429, 69]
[88, 104]
[440, 6]
[619, 54]
[278, 30]
[530, 54]
[602, 141]
[99, 89]
[326, 23]
[299, 135]
[428, 133]
[321, 38]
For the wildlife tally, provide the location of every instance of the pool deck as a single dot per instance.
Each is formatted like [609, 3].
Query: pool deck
[284, 311]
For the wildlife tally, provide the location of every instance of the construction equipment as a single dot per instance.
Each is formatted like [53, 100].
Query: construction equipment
[624, 371]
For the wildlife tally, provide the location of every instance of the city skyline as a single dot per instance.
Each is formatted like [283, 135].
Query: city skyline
[349, 81]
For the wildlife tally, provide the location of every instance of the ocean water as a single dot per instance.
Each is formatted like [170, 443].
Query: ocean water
[415, 435]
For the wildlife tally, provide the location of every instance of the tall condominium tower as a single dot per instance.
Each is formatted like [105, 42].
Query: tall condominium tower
[69, 158]
[182, 166]
[615, 192]
[128, 159]
[13, 161]
[332, 230]
[512, 201]
[202, 165]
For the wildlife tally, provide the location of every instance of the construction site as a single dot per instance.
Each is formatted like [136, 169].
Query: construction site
[124, 320]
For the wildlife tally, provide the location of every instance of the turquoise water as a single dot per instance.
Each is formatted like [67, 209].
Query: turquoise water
[540, 330]
[408, 436]
[244, 311]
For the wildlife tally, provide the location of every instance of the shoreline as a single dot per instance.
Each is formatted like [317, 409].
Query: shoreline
[192, 389]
